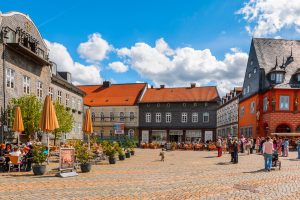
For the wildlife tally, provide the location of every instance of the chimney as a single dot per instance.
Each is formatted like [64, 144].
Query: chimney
[106, 84]
[193, 85]
[162, 86]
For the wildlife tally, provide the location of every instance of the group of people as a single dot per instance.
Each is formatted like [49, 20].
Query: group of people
[25, 152]
[264, 146]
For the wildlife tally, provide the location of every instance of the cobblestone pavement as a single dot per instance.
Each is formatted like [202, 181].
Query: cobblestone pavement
[183, 175]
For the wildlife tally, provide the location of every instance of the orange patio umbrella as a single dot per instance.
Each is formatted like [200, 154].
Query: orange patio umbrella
[87, 125]
[48, 121]
[18, 125]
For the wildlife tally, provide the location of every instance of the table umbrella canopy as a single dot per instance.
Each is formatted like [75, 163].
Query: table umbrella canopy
[18, 125]
[87, 126]
[48, 121]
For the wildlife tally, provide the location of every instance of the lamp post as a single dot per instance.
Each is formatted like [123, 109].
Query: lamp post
[4, 37]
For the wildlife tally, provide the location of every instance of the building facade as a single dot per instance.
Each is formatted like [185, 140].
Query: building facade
[114, 108]
[269, 103]
[227, 114]
[178, 114]
[25, 67]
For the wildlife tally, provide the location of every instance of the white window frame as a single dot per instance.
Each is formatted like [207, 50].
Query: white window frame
[265, 104]
[279, 77]
[59, 96]
[184, 117]
[26, 84]
[111, 116]
[242, 111]
[206, 114]
[50, 92]
[10, 78]
[252, 107]
[39, 90]
[93, 116]
[194, 117]
[148, 117]
[158, 117]
[67, 99]
[284, 103]
[131, 116]
[168, 117]
[273, 77]
[102, 116]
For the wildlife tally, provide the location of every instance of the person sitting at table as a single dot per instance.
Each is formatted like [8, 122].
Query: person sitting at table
[8, 148]
[29, 157]
[16, 152]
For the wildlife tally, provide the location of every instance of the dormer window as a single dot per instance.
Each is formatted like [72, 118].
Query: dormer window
[277, 73]
[298, 77]
[279, 77]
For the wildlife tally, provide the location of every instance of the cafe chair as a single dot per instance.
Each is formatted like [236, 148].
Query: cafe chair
[14, 161]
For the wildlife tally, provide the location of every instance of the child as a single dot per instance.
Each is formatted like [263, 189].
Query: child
[162, 155]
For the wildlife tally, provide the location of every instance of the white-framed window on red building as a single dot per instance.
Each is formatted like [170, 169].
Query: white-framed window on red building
[265, 104]
[284, 103]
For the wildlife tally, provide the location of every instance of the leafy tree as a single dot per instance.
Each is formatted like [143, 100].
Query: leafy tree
[65, 121]
[31, 108]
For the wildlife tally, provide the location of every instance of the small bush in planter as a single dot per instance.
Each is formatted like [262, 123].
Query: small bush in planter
[109, 151]
[83, 155]
[120, 152]
[127, 153]
[39, 158]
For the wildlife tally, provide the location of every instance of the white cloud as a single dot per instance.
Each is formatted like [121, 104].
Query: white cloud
[267, 17]
[181, 66]
[118, 67]
[81, 74]
[95, 49]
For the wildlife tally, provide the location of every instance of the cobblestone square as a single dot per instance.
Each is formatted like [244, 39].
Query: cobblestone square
[183, 175]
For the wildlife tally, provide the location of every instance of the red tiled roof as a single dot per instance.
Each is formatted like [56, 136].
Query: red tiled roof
[187, 94]
[114, 95]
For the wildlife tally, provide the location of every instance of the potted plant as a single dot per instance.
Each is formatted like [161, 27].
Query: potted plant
[131, 147]
[83, 156]
[110, 151]
[127, 153]
[39, 158]
[120, 152]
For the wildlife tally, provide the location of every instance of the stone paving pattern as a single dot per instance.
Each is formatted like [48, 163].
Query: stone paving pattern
[183, 175]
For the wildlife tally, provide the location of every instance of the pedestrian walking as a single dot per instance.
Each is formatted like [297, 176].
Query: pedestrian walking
[230, 149]
[257, 143]
[286, 147]
[219, 147]
[224, 145]
[268, 151]
[279, 146]
[298, 147]
[235, 151]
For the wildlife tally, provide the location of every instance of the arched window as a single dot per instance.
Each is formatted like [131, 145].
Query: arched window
[298, 129]
[283, 128]
[131, 133]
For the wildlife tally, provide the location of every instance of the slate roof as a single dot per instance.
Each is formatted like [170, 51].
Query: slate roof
[114, 95]
[183, 94]
[285, 50]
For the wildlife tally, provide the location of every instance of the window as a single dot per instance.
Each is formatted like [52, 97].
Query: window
[206, 117]
[254, 71]
[252, 107]
[67, 100]
[168, 117]
[273, 76]
[102, 116]
[10, 36]
[131, 116]
[158, 105]
[50, 92]
[248, 88]
[184, 117]
[122, 116]
[184, 104]
[195, 117]
[244, 91]
[242, 111]
[298, 77]
[93, 116]
[168, 105]
[59, 96]
[111, 116]
[39, 89]
[195, 104]
[10, 78]
[265, 104]
[148, 117]
[158, 117]
[249, 75]
[279, 78]
[284, 103]
[26, 84]
[130, 133]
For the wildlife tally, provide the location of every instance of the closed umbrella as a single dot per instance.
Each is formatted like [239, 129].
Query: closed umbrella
[18, 125]
[87, 126]
[48, 121]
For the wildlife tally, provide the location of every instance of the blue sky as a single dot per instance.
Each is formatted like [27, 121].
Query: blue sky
[196, 24]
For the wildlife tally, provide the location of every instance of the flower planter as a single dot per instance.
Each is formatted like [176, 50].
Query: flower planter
[132, 153]
[39, 169]
[86, 167]
[112, 160]
[127, 154]
[121, 157]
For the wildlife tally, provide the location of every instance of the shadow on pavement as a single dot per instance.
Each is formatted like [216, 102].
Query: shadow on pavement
[224, 163]
[293, 159]
[257, 171]
[210, 157]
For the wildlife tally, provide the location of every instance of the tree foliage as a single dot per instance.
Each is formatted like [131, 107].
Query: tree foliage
[31, 108]
[65, 120]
